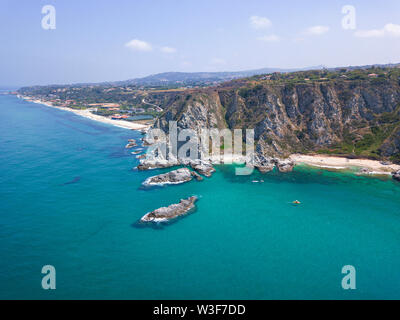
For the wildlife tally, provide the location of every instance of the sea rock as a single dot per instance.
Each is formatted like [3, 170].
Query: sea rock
[165, 214]
[285, 165]
[147, 141]
[149, 164]
[196, 176]
[396, 175]
[173, 177]
[262, 163]
[131, 144]
[203, 168]
[365, 171]
[266, 168]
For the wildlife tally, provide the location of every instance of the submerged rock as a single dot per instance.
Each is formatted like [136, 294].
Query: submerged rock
[365, 171]
[196, 176]
[396, 175]
[131, 143]
[165, 214]
[173, 177]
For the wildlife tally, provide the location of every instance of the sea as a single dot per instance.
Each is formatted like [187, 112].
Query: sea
[70, 197]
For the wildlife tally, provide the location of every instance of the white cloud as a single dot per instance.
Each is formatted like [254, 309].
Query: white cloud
[260, 22]
[389, 29]
[269, 38]
[168, 49]
[392, 29]
[317, 30]
[139, 45]
[218, 61]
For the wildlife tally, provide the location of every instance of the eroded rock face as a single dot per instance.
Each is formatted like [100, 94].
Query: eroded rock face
[178, 176]
[396, 175]
[291, 118]
[165, 214]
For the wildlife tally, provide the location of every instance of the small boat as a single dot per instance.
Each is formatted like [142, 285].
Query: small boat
[296, 202]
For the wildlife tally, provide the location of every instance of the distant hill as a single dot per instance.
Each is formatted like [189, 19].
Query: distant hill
[195, 78]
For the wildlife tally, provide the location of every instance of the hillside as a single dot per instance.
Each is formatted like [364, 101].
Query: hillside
[345, 112]
[353, 111]
[201, 78]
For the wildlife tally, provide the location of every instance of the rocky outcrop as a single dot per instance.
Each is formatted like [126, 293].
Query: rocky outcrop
[171, 212]
[285, 165]
[204, 169]
[396, 175]
[266, 164]
[263, 163]
[131, 143]
[149, 164]
[178, 176]
[365, 171]
[196, 176]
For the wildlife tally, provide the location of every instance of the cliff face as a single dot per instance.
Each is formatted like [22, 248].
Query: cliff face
[359, 118]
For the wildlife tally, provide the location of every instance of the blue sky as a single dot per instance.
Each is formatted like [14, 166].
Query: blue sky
[97, 40]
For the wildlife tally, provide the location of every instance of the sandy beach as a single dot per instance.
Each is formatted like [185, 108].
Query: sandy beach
[328, 162]
[88, 114]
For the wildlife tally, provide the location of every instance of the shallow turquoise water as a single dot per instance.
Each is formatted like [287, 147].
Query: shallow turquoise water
[69, 198]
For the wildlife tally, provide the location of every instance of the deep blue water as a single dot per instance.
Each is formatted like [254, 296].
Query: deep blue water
[69, 198]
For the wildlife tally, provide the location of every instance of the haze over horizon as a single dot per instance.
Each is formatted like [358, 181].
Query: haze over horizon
[98, 41]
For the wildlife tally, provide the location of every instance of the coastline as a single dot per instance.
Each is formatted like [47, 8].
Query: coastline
[374, 167]
[365, 166]
[371, 167]
[89, 115]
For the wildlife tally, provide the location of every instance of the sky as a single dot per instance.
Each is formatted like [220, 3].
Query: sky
[97, 40]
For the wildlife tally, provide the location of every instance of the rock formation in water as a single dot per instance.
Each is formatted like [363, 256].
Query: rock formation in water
[178, 176]
[173, 211]
[131, 143]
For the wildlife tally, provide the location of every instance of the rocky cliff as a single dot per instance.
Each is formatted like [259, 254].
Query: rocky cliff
[348, 117]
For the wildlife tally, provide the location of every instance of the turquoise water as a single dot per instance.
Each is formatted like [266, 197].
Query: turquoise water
[69, 198]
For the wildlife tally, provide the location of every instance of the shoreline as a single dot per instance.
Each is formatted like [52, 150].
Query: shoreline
[86, 113]
[374, 167]
[371, 167]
